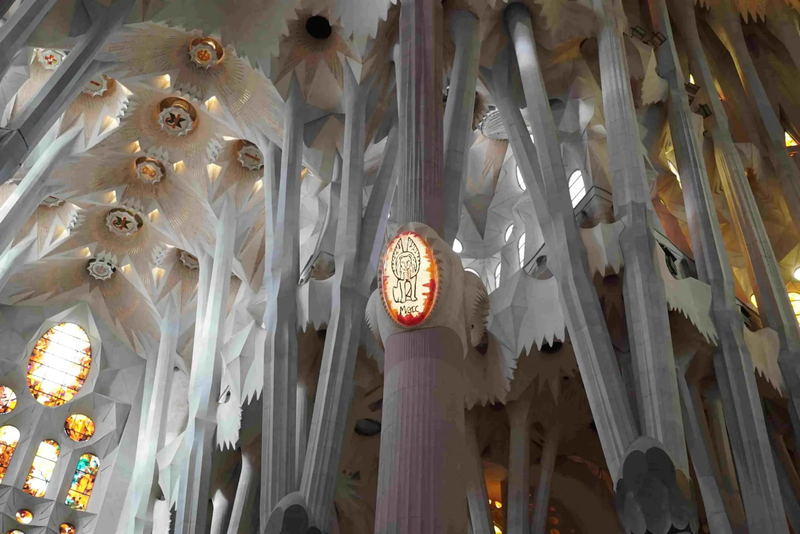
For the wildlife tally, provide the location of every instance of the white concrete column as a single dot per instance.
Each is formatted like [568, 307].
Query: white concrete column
[15, 32]
[548, 464]
[548, 187]
[733, 364]
[646, 309]
[303, 418]
[477, 496]
[278, 466]
[245, 489]
[519, 467]
[458, 114]
[192, 512]
[219, 512]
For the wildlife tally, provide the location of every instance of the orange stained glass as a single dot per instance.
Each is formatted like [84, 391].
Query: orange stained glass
[9, 437]
[79, 427]
[59, 364]
[24, 516]
[8, 399]
[83, 482]
[66, 528]
[15, 531]
[44, 463]
[789, 139]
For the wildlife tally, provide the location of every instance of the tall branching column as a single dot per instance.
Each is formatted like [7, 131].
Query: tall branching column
[193, 511]
[519, 467]
[547, 468]
[733, 363]
[19, 27]
[546, 181]
[280, 318]
[643, 289]
[477, 495]
[458, 115]
[335, 387]
[245, 495]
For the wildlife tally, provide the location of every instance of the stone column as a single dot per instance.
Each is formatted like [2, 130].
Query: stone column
[25, 132]
[519, 467]
[458, 115]
[280, 370]
[726, 23]
[219, 513]
[643, 289]
[15, 32]
[733, 363]
[547, 184]
[192, 512]
[245, 491]
[548, 465]
[773, 301]
[335, 386]
[477, 496]
[301, 427]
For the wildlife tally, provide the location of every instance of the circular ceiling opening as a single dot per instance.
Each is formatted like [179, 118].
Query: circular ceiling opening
[318, 27]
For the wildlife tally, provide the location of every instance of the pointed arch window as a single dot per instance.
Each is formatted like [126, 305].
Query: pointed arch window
[577, 189]
[497, 272]
[59, 364]
[83, 482]
[44, 463]
[9, 437]
[521, 250]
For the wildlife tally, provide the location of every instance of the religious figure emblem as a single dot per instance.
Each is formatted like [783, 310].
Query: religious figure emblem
[123, 222]
[150, 170]
[176, 116]
[205, 52]
[102, 267]
[410, 279]
[50, 59]
[97, 86]
[250, 156]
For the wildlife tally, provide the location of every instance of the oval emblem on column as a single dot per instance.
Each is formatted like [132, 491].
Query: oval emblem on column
[409, 279]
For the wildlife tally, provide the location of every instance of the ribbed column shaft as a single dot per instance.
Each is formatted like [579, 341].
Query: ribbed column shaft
[477, 496]
[278, 467]
[547, 185]
[420, 185]
[519, 468]
[245, 490]
[420, 484]
[643, 289]
[734, 364]
[335, 386]
[548, 465]
[458, 115]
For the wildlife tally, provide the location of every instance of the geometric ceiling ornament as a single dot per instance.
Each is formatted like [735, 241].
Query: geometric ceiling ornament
[124, 222]
[98, 85]
[409, 279]
[205, 52]
[249, 156]
[176, 116]
[102, 267]
[150, 170]
[189, 260]
[50, 59]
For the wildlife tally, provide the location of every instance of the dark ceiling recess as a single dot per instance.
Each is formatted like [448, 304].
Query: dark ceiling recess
[552, 348]
[368, 427]
[318, 27]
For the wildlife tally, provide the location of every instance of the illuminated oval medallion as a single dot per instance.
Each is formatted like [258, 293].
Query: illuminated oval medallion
[24, 516]
[66, 528]
[123, 222]
[98, 85]
[101, 268]
[50, 59]
[205, 52]
[176, 116]
[79, 427]
[249, 155]
[409, 279]
[59, 364]
[150, 170]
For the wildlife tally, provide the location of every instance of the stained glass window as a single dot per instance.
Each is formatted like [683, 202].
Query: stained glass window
[66, 528]
[24, 516]
[15, 531]
[83, 482]
[9, 437]
[42, 468]
[8, 399]
[789, 139]
[59, 364]
[79, 427]
[794, 298]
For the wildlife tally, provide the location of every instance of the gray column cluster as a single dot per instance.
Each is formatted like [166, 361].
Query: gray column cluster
[519, 467]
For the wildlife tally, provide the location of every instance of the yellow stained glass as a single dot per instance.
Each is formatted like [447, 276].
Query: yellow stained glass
[9, 437]
[66, 528]
[59, 364]
[44, 463]
[83, 482]
[15, 531]
[79, 427]
[794, 298]
[789, 139]
[8, 399]
[24, 516]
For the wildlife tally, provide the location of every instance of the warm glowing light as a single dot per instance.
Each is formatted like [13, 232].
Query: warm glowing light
[691, 79]
[153, 215]
[796, 274]
[8, 399]
[213, 171]
[577, 189]
[521, 250]
[521, 180]
[79, 427]
[794, 298]
[9, 437]
[42, 468]
[166, 82]
[674, 171]
[211, 102]
[126, 268]
[497, 530]
[409, 279]
[229, 138]
[158, 274]
[179, 166]
[24, 516]
[789, 139]
[59, 364]
[509, 232]
[83, 482]
[111, 198]
[258, 185]
[15, 531]
[458, 248]
[109, 123]
[498, 504]
[66, 528]
[86, 253]
[753, 301]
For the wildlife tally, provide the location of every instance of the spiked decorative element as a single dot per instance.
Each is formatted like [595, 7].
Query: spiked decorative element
[51, 59]
[189, 260]
[249, 156]
[98, 85]
[205, 52]
[150, 170]
[176, 116]
[51, 202]
[123, 221]
[102, 267]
